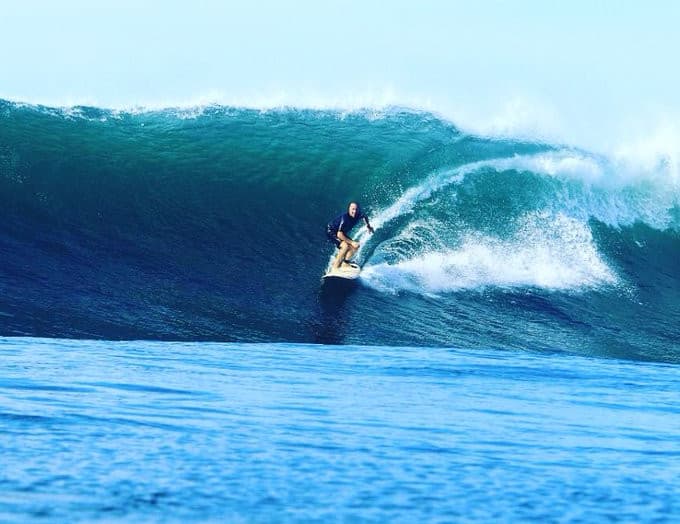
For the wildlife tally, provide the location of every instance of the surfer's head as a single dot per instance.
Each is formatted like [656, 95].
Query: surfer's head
[353, 209]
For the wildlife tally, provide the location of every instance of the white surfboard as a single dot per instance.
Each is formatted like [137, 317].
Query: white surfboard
[349, 273]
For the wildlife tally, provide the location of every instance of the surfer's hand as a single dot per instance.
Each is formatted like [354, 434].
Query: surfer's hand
[370, 229]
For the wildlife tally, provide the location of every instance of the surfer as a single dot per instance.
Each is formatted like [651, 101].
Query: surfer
[338, 233]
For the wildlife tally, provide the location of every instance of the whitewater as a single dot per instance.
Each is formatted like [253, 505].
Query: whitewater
[170, 353]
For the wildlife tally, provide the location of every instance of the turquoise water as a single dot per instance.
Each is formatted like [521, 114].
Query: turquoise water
[209, 225]
[168, 351]
[156, 431]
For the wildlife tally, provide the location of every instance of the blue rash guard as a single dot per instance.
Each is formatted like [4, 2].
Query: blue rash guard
[343, 223]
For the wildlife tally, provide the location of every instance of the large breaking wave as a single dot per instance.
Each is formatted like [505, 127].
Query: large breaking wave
[207, 224]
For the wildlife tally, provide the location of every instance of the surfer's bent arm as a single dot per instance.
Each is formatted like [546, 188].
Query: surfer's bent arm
[343, 237]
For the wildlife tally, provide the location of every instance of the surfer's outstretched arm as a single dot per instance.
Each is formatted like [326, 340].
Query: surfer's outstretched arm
[368, 226]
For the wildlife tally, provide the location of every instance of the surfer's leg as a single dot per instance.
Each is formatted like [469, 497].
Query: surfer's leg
[349, 254]
[342, 252]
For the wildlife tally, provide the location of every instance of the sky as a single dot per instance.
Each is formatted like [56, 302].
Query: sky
[596, 74]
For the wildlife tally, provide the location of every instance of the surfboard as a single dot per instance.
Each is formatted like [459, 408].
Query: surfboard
[348, 273]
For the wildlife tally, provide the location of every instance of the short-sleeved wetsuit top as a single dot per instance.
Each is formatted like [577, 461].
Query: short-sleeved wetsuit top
[343, 223]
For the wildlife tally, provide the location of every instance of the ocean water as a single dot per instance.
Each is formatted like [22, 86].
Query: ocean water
[163, 431]
[170, 353]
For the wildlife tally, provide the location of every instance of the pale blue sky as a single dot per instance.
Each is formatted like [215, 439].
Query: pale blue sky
[588, 72]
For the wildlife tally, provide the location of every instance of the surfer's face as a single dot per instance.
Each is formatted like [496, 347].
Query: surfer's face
[352, 210]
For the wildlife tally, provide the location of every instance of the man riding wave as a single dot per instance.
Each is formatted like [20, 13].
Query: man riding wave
[338, 230]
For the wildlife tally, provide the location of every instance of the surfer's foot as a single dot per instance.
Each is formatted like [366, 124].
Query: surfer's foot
[349, 263]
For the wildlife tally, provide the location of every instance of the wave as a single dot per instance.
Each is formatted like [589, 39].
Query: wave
[207, 224]
[649, 145]
[548, 252]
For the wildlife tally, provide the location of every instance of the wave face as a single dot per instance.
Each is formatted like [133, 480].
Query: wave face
[208, 224]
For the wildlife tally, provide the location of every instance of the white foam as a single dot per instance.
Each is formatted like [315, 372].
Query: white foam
[551, 248]
[517, 117]
[617, 192]
[408, 200]
[563, 163]
[552, 252]
[657, 154]
[374, 104]
[612, 192]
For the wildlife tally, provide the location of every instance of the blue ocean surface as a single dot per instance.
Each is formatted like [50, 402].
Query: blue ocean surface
[173, 432]
[169, 351]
